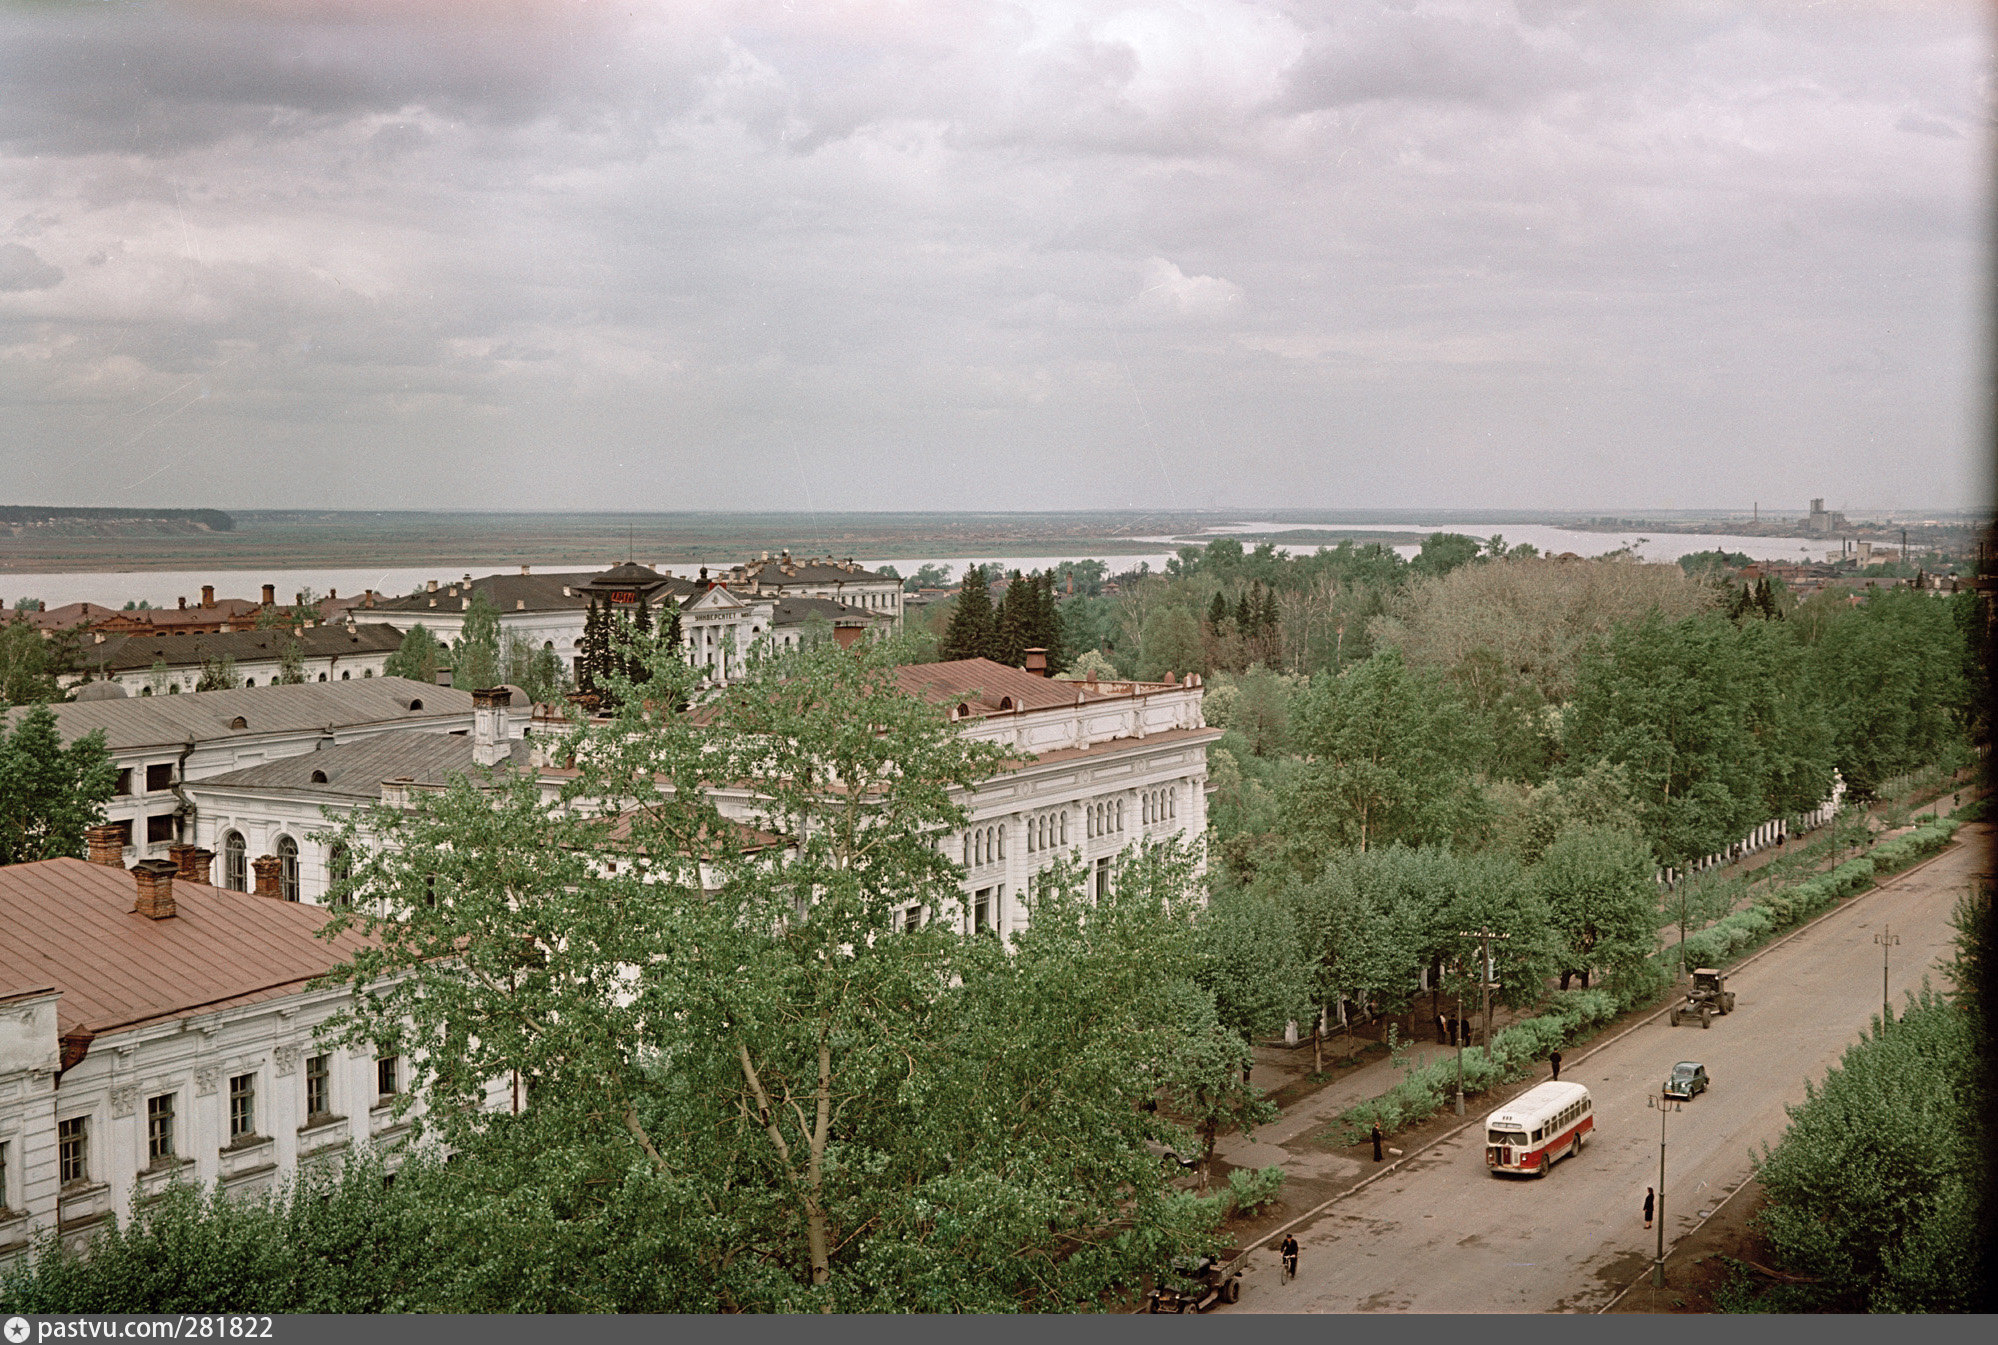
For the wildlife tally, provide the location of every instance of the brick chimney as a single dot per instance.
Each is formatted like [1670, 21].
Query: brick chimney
[270, 595]
[489, 736]
[266, 868]
[208, 595]
[183, 603]
[1037, 662]
[193, 861]
[106, 845]
[155, 878]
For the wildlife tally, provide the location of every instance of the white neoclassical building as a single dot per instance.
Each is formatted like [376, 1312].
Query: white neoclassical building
[155, 1029]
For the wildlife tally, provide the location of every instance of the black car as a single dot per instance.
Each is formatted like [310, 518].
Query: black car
[1688, 1079]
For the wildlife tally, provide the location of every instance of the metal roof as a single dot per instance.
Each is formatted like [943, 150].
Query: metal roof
[983, 684]
[357, 769]
[125, 653]
[68, 924]
[154, 721]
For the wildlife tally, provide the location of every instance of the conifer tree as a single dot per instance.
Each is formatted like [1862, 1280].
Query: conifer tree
[1048, 623]
[1013, 630]
[970, 634]
[1268, 620]
[1245, 616]
[1217, 613]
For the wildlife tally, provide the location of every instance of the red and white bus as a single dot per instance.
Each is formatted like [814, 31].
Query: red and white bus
[1542, 1124]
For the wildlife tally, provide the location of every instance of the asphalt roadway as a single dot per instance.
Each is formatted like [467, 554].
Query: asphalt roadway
[1442, 1234]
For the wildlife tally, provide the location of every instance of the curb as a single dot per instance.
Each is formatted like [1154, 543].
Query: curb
[1646, 1021]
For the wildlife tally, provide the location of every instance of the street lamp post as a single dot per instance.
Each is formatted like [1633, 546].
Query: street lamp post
[1886, 938]
[1457, 1033]
[1663, 1105]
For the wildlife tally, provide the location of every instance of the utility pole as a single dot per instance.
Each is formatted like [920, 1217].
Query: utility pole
[1886, 938]
[1484, 935]
[1663, 1105]
[1457, 1032]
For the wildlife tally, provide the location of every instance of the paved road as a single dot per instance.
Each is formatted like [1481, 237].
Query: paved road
[1444, 1235]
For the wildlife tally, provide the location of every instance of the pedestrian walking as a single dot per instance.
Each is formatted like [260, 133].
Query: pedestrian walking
[1377, 1152]
[1555, 1061]
[1649, 1195]
[1289, 1257]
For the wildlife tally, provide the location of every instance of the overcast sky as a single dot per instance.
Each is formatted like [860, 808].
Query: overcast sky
[932, 254]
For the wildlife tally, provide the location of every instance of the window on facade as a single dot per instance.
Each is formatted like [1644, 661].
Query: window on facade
[124, 786]
[318, 1087]
[159, 1128]
[347, 675]
[287, 852]
[1103, 876]
[981, 910]
[3, 1174]
[1120, 814]
[73, 1149]
[322, 677]
[235, 862]
[242, 1106]
[159, 827]
[174, 690]
[159, 776]
[367, 673]
[339, 869]
[124, 826]
[1063, 815]
[385, 1075]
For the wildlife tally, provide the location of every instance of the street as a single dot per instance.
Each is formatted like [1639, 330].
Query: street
[1444, 1235]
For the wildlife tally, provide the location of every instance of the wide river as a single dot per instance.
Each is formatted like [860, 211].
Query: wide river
[162, 588]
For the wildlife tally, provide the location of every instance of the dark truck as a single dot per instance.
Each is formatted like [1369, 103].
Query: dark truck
[1210, 1280]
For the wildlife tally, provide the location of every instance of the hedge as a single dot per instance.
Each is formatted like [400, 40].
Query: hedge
[1571, 1012]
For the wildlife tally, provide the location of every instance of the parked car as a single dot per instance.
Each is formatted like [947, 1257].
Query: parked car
[1688, 1079]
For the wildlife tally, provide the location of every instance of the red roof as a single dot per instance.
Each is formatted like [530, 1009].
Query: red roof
[71, 925]
[984, 684]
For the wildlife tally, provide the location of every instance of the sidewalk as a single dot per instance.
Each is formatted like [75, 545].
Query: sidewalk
[1285, 1142]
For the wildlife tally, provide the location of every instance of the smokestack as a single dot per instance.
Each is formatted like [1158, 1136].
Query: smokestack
[182, 602]
[208, 595]
[489, 737]
[270, 595]
[155, 879]
[192, 861]
[105, 844]
[1037, 662]
[266, 868]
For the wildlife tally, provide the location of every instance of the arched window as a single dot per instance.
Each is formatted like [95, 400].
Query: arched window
[235, 862]
[322, 677]
[416, 704]
[367, 673]
[287, 852]
[319, 777]
[239, 723]
[346, 674]
[339, 871]
[249, 681]
[145, 691]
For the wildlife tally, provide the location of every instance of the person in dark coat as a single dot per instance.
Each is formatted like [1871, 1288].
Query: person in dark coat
[1649, 1196]
[1289, 1251]
[1377, 1145]
[1555, 1061]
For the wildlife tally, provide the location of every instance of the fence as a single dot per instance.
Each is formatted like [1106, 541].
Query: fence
[1764, 836]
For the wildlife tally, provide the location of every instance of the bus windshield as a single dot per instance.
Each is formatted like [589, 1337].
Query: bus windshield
[1507, 1137]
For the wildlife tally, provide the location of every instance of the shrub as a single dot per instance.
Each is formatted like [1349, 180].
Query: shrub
[1249, 1189]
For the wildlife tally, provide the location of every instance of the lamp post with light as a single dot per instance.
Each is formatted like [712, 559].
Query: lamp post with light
[1663, 1105]
[1886, 938]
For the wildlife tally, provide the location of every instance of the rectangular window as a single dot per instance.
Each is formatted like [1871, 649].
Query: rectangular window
[242, 1106]
[159, 777]
[3, 1175]
[73, 1149]
[1103, 876]
[124, 787]
[318, 1087]
[159, 1127]
[385, 1076]
[912, 919]
[124, 831]
[981, 910]
[159, 827]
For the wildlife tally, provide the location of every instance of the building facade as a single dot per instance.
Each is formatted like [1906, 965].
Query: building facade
[149, 665]
[154, 1029]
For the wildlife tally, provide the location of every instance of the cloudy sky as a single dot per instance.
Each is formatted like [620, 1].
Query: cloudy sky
[948, 254]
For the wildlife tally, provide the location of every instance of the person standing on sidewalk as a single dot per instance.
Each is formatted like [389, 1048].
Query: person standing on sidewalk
[1649, 1196]
[1377, 1144]
[1555, 1061]
[1289, 1251]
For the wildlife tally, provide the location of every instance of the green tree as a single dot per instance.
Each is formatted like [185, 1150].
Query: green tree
[1602, 901]
[1443, 552]
[475, 654]
[416, 657]
[25, 676]
[537, 671]
[1895, 677]
[49, 793]
[971, 633]
[1169, 644]
[291, 663]
[1389, 749]
[1015, 626]
[930, 575]
[219, 674]
[755, 1065]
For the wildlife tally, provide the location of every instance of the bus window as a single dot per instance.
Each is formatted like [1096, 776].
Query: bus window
[1536, 1134]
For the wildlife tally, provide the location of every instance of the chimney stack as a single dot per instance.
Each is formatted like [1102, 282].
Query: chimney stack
[208, 595]
[106, 844]
[183, 603]
[1037, 662]
[192, 861]
[155, 878]
[266, 868]
[270, 595]
[523, 569]
[489, 737]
